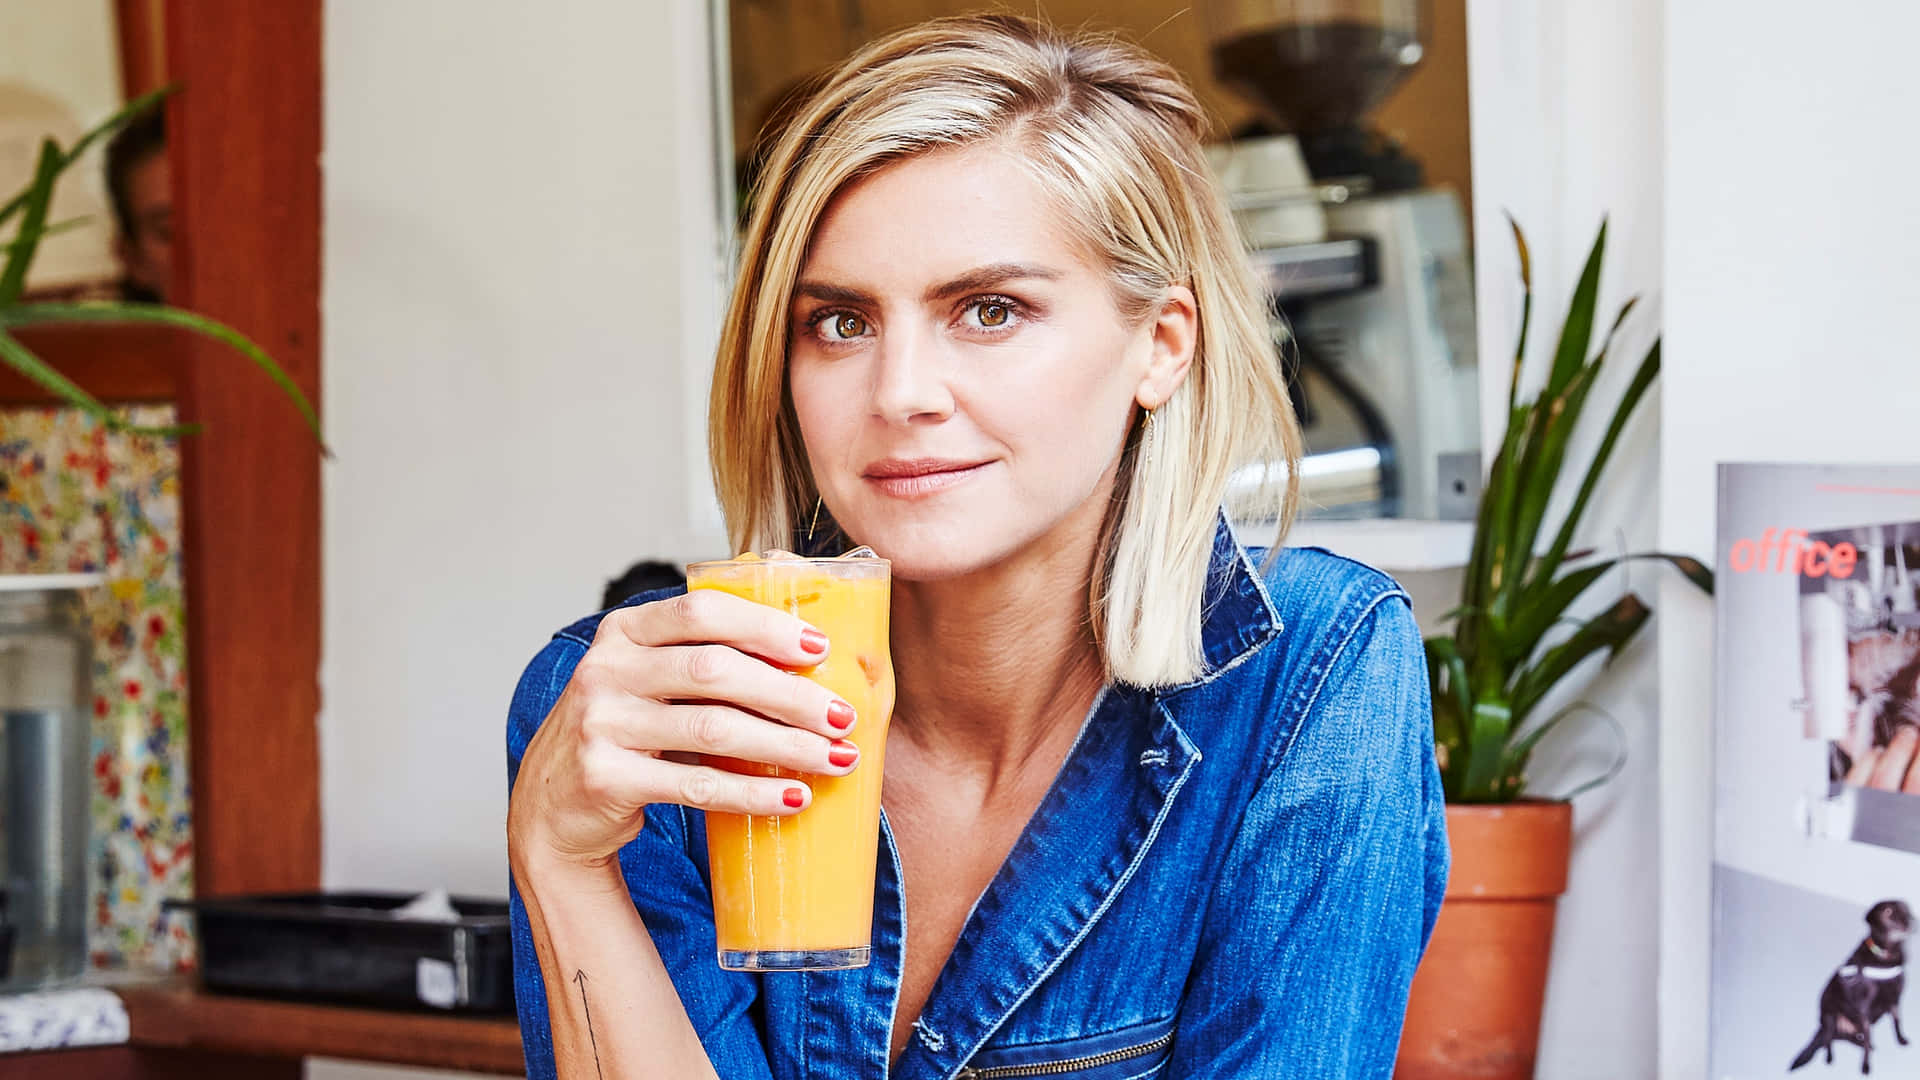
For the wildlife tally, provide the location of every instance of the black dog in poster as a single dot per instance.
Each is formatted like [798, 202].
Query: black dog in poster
[1866, 987]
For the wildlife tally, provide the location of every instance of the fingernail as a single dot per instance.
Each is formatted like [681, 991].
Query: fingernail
[813, 641]
[840, 715]
[842, 753]
[795, 798]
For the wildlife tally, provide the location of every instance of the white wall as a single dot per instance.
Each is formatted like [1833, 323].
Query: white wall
[1791, 257]
[1566, 123]
[520, 240]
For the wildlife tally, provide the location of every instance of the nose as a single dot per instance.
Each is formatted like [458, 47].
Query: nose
[909, 377]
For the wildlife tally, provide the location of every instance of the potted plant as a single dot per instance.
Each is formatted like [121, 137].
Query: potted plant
[31, 206]
[1475, 1008]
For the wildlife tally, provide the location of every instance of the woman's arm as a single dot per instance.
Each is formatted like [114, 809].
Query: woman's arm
[611, 1007]
[615, 970]
[1333, 882]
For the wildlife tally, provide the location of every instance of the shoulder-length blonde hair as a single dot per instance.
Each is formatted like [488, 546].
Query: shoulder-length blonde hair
[1114, 135]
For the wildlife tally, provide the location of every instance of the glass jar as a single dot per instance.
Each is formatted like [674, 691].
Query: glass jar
[46, 675]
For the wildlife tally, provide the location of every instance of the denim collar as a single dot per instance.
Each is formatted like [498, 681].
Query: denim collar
[1237, 615]
[1090, 834]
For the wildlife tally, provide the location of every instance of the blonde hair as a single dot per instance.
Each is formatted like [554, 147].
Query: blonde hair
[1114, 135]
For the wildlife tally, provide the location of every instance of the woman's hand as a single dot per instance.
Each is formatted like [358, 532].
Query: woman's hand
[665, 683]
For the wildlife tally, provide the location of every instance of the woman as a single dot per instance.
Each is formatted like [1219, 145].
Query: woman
[1149, 810]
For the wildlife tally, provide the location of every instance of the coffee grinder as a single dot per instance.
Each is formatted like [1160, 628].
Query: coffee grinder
[1374, 319]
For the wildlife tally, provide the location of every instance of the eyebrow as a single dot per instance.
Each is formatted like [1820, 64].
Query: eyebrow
[984, 277]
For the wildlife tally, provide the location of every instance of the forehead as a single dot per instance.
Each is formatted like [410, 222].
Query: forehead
[939, 214]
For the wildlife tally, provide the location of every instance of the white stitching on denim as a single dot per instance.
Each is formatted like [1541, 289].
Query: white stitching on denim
[1155, 756]
[932, 1039]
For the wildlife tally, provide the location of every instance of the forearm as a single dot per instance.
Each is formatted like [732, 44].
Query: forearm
[612, 1007]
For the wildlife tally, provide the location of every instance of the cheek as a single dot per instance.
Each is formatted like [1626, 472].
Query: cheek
[828, 411]
[1066, 418]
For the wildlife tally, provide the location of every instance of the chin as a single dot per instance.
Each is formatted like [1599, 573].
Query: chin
[937, 549]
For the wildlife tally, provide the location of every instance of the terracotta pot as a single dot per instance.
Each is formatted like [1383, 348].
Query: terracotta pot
[1475, 1009]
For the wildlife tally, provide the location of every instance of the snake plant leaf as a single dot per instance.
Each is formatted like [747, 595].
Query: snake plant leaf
[33, 223]
[1608, 630]
[1475, 590]
[55, 229]
[118, 120]
[1526, 310]
[1452, 704]
[21, 359]
[160, 314]
[1560, 416]
[1576, 334]
[106, 127]
[1642, 379]
[1493, 720]
[1547, 605]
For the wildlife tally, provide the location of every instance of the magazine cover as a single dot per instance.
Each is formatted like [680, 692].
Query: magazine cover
[1817, 759]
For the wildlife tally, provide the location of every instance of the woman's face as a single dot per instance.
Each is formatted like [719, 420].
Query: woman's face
[961, 374]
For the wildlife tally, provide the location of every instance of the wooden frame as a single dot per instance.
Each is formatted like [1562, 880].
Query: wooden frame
[244, 140]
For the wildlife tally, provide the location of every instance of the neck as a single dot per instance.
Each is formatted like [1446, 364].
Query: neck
[995, 670]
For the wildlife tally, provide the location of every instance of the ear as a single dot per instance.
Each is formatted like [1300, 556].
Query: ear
[1175, 331]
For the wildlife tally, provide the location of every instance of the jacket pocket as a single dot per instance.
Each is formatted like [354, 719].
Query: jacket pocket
[1130, 1053]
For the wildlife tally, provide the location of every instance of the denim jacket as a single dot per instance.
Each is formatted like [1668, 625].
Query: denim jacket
[1229, 878]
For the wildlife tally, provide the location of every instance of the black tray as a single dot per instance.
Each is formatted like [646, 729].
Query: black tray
[347, 947]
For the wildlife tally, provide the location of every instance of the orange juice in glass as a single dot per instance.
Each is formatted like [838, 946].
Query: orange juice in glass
[796, 893]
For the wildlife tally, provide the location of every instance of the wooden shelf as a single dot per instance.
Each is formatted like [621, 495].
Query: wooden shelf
[183, 1017]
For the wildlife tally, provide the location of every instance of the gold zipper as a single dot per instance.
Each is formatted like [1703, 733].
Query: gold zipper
[1055, 1068]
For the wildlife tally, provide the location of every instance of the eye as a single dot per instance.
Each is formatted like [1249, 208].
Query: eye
[840, 325]
[992, 313]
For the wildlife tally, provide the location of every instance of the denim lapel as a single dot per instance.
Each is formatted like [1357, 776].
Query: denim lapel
[1088, 836]
[1084, 842]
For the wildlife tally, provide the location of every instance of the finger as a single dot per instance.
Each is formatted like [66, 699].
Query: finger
[721, 673]
[723, 731]
[711, 617]
[707, 788]
[1862, 770]
[1891, 769]
[1912, 784]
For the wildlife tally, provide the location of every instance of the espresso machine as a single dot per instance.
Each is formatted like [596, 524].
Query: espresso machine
[1368, 269]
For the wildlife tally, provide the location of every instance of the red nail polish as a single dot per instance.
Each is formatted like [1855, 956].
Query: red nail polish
[840, 715]
[813, 641]
[842, 753]
[794, 797]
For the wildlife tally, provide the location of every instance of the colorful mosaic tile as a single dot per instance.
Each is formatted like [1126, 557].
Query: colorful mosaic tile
[76, 498]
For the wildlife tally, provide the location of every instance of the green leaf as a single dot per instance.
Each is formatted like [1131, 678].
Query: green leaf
[1622, 412]
[21, 359]
[1493, 721]
[1576, 334]
[120, 119]
[1556, 417]
[1452, 705]
[54, 229]
[1546, 605]
[1526, 311]
[39, 195]
[1608, 630]
[106, 127]
[120, 312]
[1480, 584]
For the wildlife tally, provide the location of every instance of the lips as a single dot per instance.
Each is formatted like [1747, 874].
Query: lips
[907, 479]
[907, 468]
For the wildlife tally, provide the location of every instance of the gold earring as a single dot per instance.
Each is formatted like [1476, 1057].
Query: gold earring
[1146, 437]
[816, 519]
